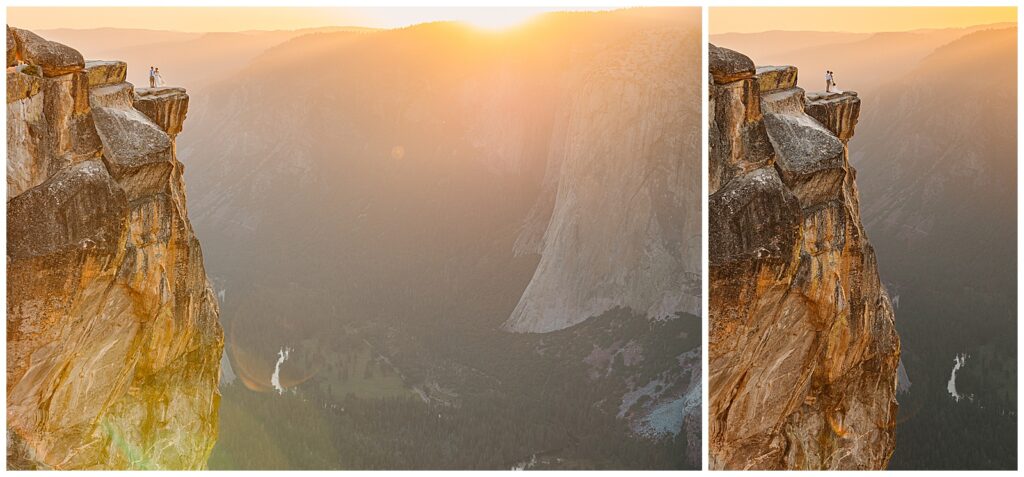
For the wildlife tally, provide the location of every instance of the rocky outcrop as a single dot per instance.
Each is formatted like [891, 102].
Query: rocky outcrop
[803, 351]
[772, 78]
[103, 73]
[113, 340]
[54, 58]
[166, 106]
[739, 135]
[836, 111]
[727, 66]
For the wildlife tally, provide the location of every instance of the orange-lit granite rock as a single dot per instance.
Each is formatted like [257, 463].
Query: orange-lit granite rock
[54, 58]
[836, 111]
[166, 106]
[113, 340]
[803, 350]
[738, 137]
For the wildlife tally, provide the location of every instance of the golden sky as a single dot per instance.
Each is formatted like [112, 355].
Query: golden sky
[852, 19]
[205, 19]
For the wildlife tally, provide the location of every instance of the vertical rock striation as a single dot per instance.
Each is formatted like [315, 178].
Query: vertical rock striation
[113, 339]
[803, 350]
[622, 223]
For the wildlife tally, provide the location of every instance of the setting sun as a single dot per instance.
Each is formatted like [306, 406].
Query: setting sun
[270, 18]
[500, 19]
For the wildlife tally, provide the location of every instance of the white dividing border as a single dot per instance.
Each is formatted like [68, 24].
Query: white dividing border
[705, 116]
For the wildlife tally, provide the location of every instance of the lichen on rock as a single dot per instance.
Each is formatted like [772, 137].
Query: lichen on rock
[113, 342]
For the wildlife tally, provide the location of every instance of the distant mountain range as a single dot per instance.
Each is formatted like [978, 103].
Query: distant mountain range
[185, 59]
[861, 61]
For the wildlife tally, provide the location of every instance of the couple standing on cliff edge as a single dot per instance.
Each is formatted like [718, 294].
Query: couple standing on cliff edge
[830, 83]
[154, 78]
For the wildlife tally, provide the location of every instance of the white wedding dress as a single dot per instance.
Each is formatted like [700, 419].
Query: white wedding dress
[159, 80]
[833, 88]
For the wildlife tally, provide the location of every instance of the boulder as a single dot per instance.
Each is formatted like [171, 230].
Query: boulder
[48, 126]
[836, 111]
[80, 207]
[102, 73]
[135, 149]
[737, 140]
[727, 65]
[54, 58]
[166, 106]
[771, 78]
[753, 216]
[118, 96]
[783, 101]
[809, 159]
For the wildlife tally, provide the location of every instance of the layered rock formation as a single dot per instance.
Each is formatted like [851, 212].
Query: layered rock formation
[803, 351]
[113, 340]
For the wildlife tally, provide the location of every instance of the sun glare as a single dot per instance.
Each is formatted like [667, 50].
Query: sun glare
[500, 18]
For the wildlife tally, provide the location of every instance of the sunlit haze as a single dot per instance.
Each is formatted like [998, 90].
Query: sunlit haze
[205, 19]
[852, 19]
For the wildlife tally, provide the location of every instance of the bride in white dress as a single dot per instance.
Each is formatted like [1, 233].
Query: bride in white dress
[832, 81]
[159, 78]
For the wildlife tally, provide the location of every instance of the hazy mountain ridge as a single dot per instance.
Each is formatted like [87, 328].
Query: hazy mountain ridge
[376, 184]
[186, 59]
[492, 89]
[854, 57]
[961, 154]
[940, 182]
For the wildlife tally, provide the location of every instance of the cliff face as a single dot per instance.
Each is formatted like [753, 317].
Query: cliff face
[113, 340]
[803, 351]
[585, 142]
[620, 227]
